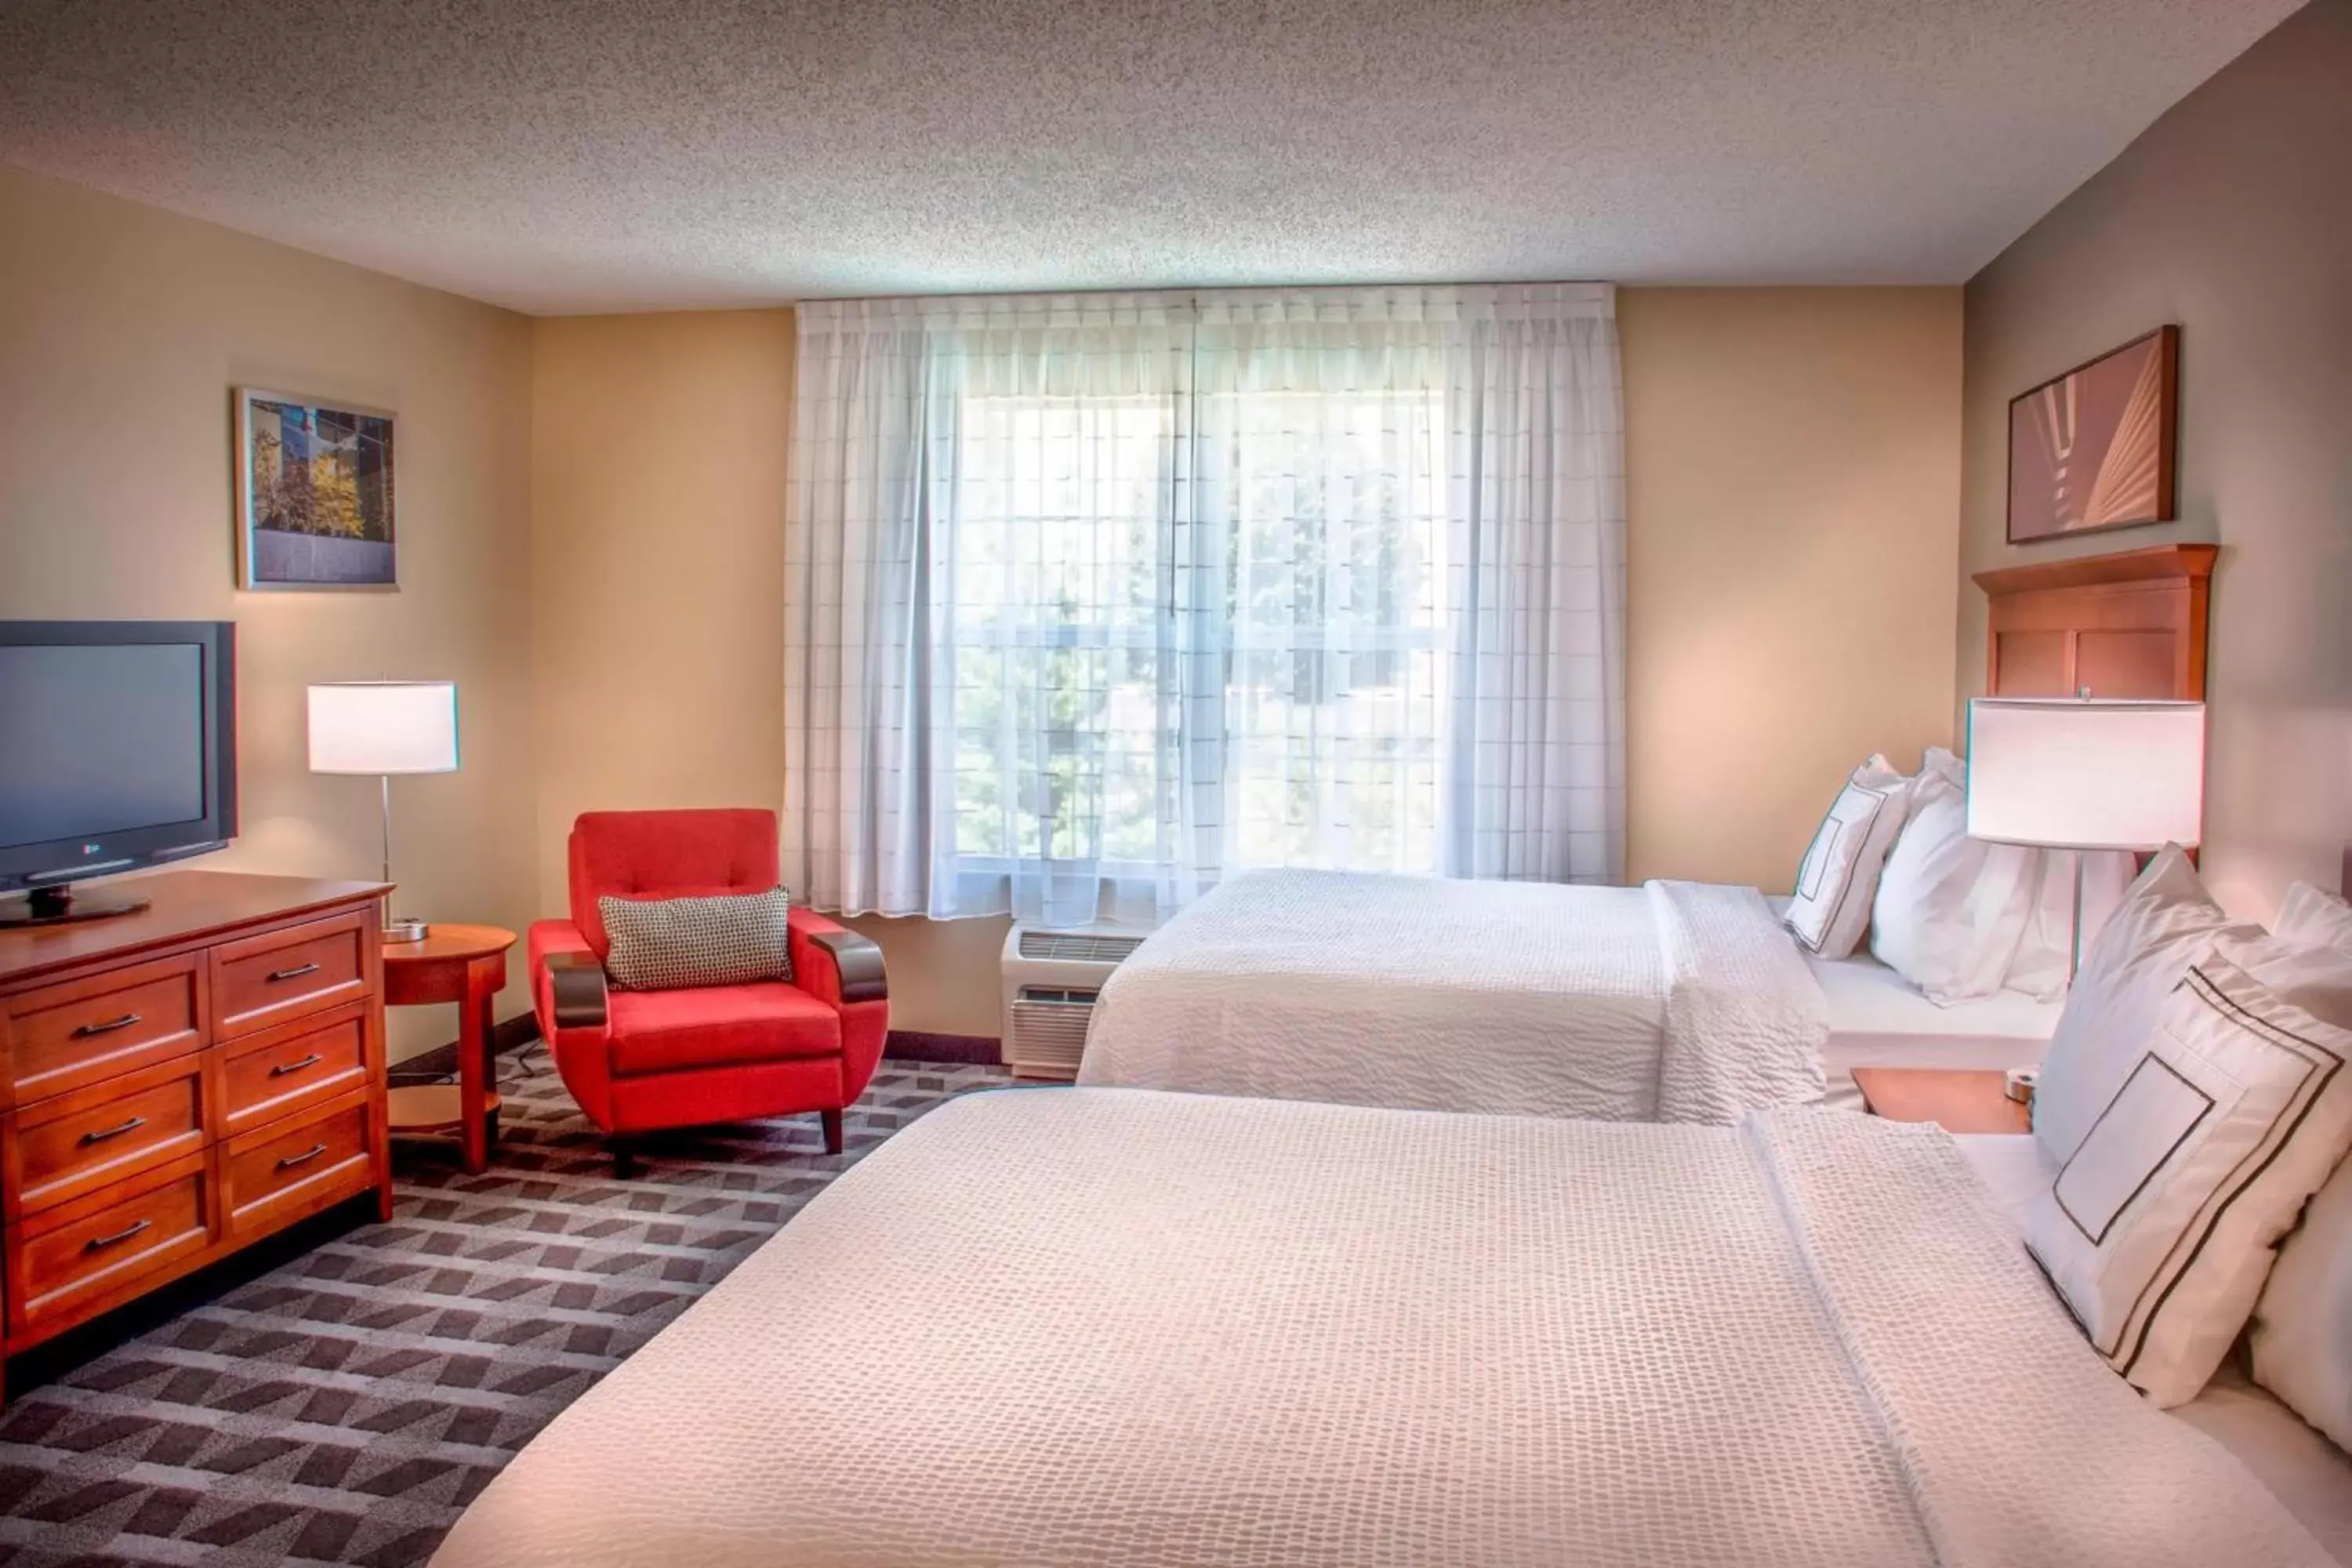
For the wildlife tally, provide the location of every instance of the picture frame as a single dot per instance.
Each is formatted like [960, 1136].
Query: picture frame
[316, 494]
[2096, 448]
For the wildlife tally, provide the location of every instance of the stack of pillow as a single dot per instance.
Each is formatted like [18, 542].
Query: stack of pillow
[2194, 1100]
[1957, 917]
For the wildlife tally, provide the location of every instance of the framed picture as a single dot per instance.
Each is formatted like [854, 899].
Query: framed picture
[2094, 449]
[314, 494]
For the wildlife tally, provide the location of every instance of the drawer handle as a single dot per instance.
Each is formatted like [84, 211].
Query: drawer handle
[103, 1133]
[295, 972]
[100, 1242]
[282, 1068]
[304, 1158]
[124, 1022]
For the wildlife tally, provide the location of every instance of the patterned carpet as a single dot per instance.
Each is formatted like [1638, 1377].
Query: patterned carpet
[346, 1405]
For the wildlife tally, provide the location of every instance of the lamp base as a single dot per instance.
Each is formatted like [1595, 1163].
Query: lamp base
[404, 930]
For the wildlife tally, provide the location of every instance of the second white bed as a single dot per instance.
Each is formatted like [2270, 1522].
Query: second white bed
[1670, 1002]
[1878, 1019]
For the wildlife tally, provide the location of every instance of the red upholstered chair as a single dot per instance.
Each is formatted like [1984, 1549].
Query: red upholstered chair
[638, 1060]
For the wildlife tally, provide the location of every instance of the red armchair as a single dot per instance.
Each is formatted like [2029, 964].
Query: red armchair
[638, 1060]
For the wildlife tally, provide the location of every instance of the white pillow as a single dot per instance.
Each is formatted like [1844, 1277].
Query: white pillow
[2302, 1338]
[2303, 1325]
[1839, 876]
[2159, 1227]
[2045, 949]
[2312, 919]
[1950, 908]
[2164, 922]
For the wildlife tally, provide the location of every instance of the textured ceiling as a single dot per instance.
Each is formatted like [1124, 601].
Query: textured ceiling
[564, 155]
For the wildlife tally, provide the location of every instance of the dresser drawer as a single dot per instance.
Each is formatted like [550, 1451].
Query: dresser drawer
[77, 1032]
[67, 1261]
[284, 975]
[275, 1176]
[281, 1071]
[62, 1148]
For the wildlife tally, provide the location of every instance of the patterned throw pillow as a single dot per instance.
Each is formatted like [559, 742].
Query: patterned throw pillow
[672, 944]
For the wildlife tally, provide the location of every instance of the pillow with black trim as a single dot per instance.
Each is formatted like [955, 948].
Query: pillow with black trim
[678, 944]
[2162, 1224]
[1839, 876]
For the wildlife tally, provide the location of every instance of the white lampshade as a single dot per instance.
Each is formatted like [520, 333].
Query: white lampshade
[385, 727]
[2086, 773]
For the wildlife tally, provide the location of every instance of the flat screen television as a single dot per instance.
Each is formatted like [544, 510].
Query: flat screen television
[117, 750]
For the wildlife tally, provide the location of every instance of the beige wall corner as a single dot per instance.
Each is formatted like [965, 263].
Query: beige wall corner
[657, 462]
[2231, 217]
[1792, 497]
[125, 328]
[658, 452]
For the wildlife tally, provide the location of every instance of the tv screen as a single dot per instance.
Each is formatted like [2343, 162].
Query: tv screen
[118, 745]
[99, 740]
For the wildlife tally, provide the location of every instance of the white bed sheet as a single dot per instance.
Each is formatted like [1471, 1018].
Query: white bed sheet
[1227, 1331]
[1876, 1019]
[2311, 1476]
[1669, 1002]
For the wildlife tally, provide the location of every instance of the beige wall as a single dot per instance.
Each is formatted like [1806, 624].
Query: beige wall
[1789, 449]
[592, 517]
[1792, 493]
[2232, 217]
[122, 329]
[658, 459]
[657, 502]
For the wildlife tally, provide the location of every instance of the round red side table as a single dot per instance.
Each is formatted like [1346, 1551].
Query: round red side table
[467, 965]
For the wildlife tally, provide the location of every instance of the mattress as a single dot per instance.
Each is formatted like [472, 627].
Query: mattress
[1670, 1002]
[1066, 1326]
[2311, 1476]
[1876, 1019]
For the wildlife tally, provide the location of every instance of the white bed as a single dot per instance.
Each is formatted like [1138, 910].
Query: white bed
[1089, 1327]
[2306, 1472]
[1877, 1019]
[1670, 1002]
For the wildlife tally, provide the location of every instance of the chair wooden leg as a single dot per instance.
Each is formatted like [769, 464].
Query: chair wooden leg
[625, 1157]
[832, 1119]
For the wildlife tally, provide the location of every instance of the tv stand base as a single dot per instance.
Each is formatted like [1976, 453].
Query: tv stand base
[57, 906]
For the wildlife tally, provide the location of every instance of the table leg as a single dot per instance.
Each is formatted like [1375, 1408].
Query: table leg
[473, 1074]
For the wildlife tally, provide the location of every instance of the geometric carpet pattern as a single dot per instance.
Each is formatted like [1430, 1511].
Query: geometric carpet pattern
[345, 1405]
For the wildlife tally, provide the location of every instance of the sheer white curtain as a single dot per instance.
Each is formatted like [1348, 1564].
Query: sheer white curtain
[1094, 597]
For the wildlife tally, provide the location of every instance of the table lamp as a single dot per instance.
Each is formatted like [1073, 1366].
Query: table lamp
[385, 726]
[2060, 773]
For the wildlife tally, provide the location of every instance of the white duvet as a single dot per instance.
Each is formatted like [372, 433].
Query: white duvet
[1069, 1327]
[1670, 1002]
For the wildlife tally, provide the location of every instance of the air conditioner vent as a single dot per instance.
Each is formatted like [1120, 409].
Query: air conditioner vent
[1077, 946]
[1052, 980]
[1049, 1032]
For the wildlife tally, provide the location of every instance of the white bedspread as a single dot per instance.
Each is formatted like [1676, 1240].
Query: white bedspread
[1671, 1002]
[1108, 1327]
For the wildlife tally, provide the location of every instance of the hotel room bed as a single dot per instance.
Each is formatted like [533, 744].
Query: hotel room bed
[1875, 1018]
[2300, 1467]
[1671, 1002]
[1087, 1327]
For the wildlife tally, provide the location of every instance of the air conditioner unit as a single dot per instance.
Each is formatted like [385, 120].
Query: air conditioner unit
[1051, 979]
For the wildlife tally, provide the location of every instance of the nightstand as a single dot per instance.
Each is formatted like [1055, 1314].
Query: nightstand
[467, 965]
[1958, 1100]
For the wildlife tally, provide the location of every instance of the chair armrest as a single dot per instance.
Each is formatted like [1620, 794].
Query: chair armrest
[858, 962]
[576, 987]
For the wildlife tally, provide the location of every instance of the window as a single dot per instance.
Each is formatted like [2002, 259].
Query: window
[1094, 599]
[1281, 645]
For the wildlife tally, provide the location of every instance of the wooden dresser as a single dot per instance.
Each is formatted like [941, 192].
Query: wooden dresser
[178, 1083]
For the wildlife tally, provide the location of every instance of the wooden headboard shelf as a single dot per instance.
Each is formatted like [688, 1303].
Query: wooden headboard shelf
[2126, 624]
